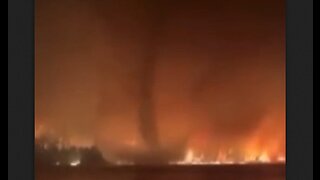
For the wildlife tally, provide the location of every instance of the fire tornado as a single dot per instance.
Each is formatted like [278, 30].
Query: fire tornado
[179, 82]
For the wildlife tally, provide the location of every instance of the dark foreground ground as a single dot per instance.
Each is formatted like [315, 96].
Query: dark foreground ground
[221, 172]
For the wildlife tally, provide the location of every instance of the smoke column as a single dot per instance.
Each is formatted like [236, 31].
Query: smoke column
[148, 124]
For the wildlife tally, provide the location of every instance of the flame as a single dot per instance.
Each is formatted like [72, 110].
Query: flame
[281, 159]
[189, 156]
[264, 157]
[262, 146]
[75, 162]
[192, 159]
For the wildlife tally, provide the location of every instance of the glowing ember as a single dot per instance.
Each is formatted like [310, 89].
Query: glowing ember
[229, 162]
[75, 162]
[281, 159]
[122, 162]
[264, 158]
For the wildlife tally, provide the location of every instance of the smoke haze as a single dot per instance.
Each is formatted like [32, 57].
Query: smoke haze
[142, 74]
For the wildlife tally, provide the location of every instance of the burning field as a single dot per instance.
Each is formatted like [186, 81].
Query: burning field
[160, 83]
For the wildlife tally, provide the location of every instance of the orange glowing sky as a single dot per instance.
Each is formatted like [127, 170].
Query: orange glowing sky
[218, 81]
